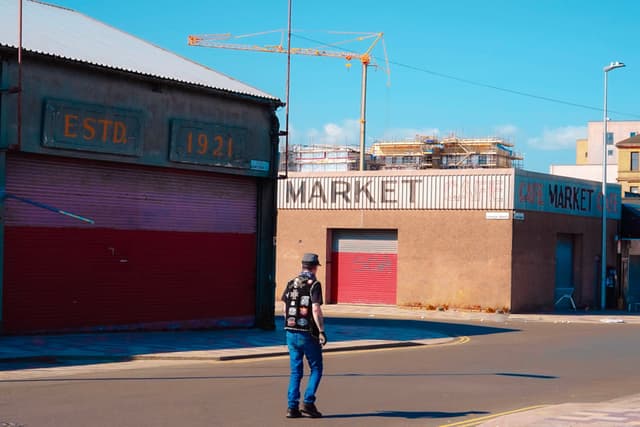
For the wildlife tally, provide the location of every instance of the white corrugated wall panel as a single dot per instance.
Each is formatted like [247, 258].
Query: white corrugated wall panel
[398, 192]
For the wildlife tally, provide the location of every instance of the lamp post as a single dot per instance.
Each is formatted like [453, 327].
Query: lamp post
[603, 255]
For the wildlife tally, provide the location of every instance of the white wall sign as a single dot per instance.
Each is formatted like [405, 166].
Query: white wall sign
[446, 192]
[497, 215]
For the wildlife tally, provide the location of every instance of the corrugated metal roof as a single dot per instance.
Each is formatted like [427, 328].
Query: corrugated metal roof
[65, 33]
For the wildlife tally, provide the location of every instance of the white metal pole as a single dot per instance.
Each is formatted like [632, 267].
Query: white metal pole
[20, 88]
[603, 256]
[363, 113]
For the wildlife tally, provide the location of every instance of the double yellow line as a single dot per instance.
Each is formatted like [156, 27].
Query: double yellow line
[457, 341]
[477, 421]
[463, 340]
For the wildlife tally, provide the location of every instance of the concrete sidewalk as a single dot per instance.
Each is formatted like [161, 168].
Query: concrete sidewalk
[619, 412]
[344, 334]
[395, 312]
[350, 327]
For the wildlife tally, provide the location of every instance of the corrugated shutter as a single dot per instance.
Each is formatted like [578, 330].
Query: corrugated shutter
[366, 241]
[129, 198]
[167, 246]
[364, 266]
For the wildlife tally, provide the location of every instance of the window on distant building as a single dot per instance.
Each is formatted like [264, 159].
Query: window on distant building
[609, 138]
[632, 134]
[586, 154]
[634, 189]
[410, 159]
[635, 161]
[610, 152]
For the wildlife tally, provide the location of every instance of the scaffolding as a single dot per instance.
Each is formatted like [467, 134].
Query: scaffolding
[489, 152]
[321, 158]
[421, 152]
[428, 152]
[408, 154]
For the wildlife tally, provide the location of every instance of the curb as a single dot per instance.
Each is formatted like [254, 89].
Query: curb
[53, 359]
[354, 347]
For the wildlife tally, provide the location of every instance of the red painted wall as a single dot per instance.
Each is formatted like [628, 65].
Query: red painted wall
[365, 278]
[124, 277]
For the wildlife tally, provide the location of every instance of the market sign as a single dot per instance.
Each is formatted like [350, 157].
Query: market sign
[212, 144]
[486, 191]
[95, 128]
[549, 193]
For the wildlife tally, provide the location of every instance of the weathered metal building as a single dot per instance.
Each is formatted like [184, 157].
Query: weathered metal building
[174, 163]
[481, 239]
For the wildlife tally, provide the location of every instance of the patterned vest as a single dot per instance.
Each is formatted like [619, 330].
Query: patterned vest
[298, 314]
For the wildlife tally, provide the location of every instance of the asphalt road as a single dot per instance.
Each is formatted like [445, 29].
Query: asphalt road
[501, 368]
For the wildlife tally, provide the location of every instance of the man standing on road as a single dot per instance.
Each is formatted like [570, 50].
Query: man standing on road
[304, 327]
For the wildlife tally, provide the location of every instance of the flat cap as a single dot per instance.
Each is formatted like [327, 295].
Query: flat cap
[311, 259]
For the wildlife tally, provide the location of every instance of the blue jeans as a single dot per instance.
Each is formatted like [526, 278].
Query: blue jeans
[303, 344]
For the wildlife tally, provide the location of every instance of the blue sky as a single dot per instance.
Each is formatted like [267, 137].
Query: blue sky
[549, 48]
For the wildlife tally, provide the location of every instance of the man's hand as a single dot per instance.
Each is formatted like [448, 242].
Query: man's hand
[322, 338]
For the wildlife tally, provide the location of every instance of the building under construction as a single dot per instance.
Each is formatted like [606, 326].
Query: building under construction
[427, 152]
[321, 158]
[422, 152]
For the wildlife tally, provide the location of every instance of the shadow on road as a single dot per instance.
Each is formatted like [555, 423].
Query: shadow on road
[42, 351]
[533, 376]
[410, 415]
[253, 377]
[413, 328]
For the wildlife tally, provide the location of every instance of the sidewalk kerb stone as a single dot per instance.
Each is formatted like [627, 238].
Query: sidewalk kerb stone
[222, 354]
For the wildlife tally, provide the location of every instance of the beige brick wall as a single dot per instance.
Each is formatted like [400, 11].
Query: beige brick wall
[458, 258]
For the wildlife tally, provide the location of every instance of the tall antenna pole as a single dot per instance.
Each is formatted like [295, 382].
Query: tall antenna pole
[363, 112]
[287, 97]
[20, 73]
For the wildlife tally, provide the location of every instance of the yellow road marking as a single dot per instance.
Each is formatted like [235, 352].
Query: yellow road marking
[476, 421]
[460, 340]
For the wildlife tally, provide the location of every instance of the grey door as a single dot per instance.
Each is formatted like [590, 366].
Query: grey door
[564, 269]
[633, 293]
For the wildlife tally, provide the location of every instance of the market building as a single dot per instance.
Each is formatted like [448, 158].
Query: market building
[478, 239]
[138, 187]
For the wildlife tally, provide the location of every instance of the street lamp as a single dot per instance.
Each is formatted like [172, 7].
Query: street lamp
[603, 255]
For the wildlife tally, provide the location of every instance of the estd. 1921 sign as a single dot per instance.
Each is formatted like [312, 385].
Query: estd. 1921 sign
[87, 127]
[208, 144]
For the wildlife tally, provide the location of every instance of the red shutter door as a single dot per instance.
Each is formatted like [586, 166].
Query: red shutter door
[167, 246]
[364, 266]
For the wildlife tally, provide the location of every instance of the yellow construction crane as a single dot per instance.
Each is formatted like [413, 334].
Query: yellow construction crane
[225, 41]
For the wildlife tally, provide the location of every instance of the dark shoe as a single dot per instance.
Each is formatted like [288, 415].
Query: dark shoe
[293, 413]
[311, 410]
